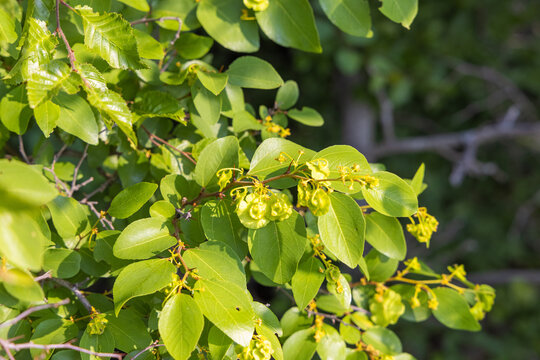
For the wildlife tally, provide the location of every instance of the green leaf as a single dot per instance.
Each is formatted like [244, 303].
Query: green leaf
[343, 228]
[45, 83]
[343, 156]
[112, 106]
[180, 325]
[221, 153]
[215, 260]
[149, 48]
[290, 23]
[159, 104]
[69, 217]
[192, 46]
[300, 346]
[21, 240]
[294, 320]
[111, 36]
[343, 295]
[382, 339]
[243, 121]
[174, 187]
[37, 51]
[228, 307]
[380, 267]
[252, 72]
[220, 222]
[269, 320]
[129, 330]
[264, 161]
[7, 27]
[131, 199]
[215, 82]
[400, 11]
[392, 196]
[307, 281]
[96, 343]
[162, 208]
[14, 110]
[386, 235]
[232, 100]
[306, 116]
[453, 310]
[351, 16]
[47, 115]
[142, 278]
[53, 331]
[143, 239]
[417, 182]
[287, 95]
[331, 346]
[183, 9]
[63, 263]
[278, 247]
[207, 104]
[221, 19]
[141, 5]
[76, 117]
[218, 343]
[23, 186]
[21, 285]
[407, 292]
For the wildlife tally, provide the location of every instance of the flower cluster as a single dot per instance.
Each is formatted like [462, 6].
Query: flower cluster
[313, 196]
[256, 209]
[258, 349]
[387, 307]
[276, 128]
[256, 5]
[427, 225]
[353, 174]
[98, 323]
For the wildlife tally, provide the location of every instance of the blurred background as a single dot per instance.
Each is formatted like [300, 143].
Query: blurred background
[459, 92]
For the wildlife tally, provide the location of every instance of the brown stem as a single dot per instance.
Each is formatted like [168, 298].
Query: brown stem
[165, 142]
[175, 18]
[5, 344]
[76, 171]
[71, 54]
[84, 301]
[32, 310]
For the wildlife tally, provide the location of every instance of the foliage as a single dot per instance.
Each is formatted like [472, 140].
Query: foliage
[112, 126]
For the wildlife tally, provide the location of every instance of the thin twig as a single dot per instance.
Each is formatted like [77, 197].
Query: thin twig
[47, 347]
[76, 171]
[165, 142]
[21, 150]
[84, 301]
[32, 310]
[175, 18]
[71, 54]
[47, 275]
[333, 318]
[151, 346]
[104, 221]
[100, 189]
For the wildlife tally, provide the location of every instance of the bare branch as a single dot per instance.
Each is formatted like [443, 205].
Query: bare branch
[7, 345]
[71, 54]
[32, 310]
[174, 18]
[386, 116]
[84, 301]
[76, 171]
[100, 189]
[21, 150]
[104, 221]
[333, 318]
[482, 135]
[151, 346]
[47, 275]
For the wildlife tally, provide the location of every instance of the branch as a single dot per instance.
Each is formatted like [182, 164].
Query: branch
[76, 172]
[151, 346]
[84, 301]
[175, 18]
[71, 54]
[32, 310]
[334, 318]
[21, 150]
[164, 142]
[7, 345]
[481, 135]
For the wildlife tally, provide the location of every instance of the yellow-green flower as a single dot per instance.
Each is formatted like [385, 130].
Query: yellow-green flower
[319, 169]
[251, 211]
[280, 207]
[256, 5]
[319, 202]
